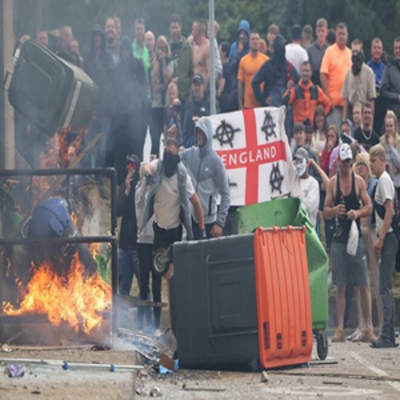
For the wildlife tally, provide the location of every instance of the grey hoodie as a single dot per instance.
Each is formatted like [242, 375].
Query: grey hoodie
[209, 176]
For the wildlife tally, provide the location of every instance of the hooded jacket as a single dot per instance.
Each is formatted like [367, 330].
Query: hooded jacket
[185, 201]
[99, 68]
[243, 26]
[275, 73]
[390, 87]
[209, 176]
[235, 56]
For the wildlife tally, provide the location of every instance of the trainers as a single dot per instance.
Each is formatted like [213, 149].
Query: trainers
[369, 336]
[382, 343]
[354, 334]
[358, 337]
[339, 336]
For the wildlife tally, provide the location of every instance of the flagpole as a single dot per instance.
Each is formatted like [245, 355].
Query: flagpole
[211, 10]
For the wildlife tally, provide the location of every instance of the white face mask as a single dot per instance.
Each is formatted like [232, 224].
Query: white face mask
[301, 167]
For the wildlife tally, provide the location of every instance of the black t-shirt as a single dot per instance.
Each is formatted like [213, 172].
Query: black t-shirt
[366, 138]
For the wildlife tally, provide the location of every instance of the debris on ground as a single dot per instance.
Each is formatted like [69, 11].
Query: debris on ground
[264, 377]
[16, 370]
[5, 348]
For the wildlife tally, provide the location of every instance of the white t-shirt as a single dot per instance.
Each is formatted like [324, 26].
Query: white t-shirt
[384, 191]
[310, 197]
[296, 55]
[167, 202]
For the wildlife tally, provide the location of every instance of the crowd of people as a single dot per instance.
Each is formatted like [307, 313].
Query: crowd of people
[341, 121]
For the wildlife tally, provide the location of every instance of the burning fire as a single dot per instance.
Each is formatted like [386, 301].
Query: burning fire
[74, 299]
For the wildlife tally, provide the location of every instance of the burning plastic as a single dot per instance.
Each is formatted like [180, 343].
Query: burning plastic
[75, 299]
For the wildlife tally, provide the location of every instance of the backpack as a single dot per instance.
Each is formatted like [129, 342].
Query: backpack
[395, 225]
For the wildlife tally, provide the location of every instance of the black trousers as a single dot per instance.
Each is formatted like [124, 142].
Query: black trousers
[145, 253]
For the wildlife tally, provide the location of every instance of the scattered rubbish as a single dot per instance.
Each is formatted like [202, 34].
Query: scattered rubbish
[146, 392]
[264, 377]
[36, 392]
[155, 392]
[332, 383]
[5, 348]
[169, 363]
[16, 370]
[142, 391]
[164, 371]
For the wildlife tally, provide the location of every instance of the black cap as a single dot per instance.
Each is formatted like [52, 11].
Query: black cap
[198, 78]
[132, 158]
[296, 32]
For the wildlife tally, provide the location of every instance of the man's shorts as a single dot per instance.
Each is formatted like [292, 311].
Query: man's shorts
[348, 269]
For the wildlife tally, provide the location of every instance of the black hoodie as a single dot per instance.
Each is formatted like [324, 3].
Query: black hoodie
[130, 85]
[99, 68]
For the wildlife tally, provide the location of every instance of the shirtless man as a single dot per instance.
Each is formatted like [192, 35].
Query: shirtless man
[201, 51]
[345, 192]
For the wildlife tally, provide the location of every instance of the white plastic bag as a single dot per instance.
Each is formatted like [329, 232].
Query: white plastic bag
[352, 242]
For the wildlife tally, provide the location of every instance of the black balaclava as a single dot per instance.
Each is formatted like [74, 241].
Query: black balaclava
[170, 162]
[357, 60]
[279, 49]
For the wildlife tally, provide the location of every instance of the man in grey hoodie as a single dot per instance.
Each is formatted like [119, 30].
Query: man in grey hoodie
[209, 179]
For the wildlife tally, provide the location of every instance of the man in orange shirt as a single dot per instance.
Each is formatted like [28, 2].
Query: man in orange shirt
[335, 65]
[248, 67]
[305, 97]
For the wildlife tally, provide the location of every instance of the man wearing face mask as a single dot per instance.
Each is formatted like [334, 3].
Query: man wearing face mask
[170, 194]
[277, 75]
[359, 84]
[309, 185]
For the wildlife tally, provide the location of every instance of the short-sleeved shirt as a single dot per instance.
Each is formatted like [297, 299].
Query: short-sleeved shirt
[360, 87]
[296, 55]
[248, 67]
[384, 191]
[335, 64]
[167, 201]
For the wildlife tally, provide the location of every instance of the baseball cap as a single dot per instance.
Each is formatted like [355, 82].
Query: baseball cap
[132, 159]
[198, 78]
[301, 154]
[345, 152]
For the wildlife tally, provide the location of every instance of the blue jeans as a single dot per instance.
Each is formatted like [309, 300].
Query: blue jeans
[127, 267]
[386, 267]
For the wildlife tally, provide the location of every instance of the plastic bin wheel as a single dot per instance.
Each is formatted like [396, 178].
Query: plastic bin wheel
[161, 261]
[322, 345]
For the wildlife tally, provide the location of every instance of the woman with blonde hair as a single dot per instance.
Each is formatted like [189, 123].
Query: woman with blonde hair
[390, 140]
[320, 131]
[160, 78]
[363, 169]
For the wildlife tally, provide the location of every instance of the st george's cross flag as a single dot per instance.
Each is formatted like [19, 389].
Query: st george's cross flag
[254, 149]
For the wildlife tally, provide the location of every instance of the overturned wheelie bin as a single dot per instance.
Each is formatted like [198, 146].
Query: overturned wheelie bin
[291, 211]
[240, 302]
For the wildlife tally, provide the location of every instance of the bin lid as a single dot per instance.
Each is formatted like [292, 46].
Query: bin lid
[39, 85]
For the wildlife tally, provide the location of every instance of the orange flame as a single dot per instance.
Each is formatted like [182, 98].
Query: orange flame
[75, 299]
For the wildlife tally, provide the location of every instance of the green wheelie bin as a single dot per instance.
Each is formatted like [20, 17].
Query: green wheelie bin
[291, 211]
